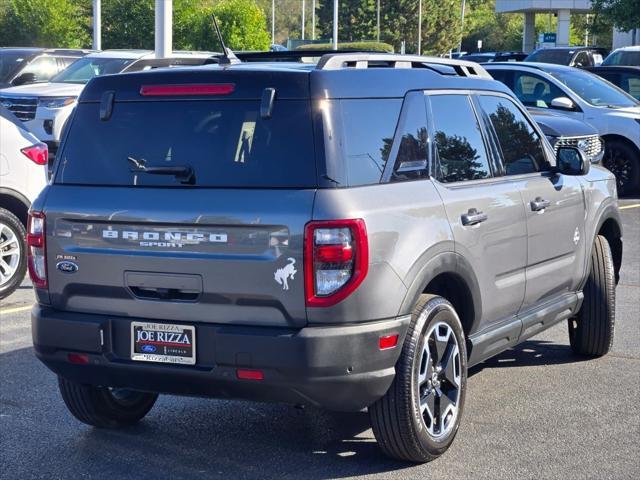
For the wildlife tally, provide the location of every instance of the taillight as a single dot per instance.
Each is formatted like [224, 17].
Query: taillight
[336, 260]
[38, 153]
[37, 249]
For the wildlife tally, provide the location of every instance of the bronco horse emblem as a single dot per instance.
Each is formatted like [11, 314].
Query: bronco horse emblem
[285, 273]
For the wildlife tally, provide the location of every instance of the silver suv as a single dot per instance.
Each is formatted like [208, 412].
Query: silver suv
[352, 234]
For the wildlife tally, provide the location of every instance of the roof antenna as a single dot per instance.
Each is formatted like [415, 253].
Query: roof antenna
[227, 57]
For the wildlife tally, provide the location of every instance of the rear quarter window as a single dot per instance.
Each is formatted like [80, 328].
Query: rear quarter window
[225, 142]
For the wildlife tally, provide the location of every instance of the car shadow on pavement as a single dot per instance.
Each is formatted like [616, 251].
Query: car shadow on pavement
[531, 353]
[181, 438]
[191, 438]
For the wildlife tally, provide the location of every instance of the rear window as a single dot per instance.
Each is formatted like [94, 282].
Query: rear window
[560, 57]
[224, 143]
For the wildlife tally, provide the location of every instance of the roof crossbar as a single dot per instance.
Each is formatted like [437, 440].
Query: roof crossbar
[338, 61]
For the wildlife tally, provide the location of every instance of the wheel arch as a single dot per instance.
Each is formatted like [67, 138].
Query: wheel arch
[449, 275]
[16, 203]
[610, 229]
[610, 137]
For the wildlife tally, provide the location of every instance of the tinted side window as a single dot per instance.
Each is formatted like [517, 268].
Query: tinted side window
[411, 160]
[521, 146]
[369, 126]
[43, 68]
[535, 91]
[458, 140]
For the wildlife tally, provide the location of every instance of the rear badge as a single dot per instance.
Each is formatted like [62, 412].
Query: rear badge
[285, 273]
[67, 267]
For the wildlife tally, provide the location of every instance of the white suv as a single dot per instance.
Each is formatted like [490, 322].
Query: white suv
[587, 97]
[54, 101]
[23, 174]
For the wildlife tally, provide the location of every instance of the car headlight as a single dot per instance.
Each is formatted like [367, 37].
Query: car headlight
[56, 102]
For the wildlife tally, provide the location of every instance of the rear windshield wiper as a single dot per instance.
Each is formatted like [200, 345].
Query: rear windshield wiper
[184, 173]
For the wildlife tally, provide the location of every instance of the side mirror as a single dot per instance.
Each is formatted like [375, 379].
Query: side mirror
[563, 103]
[572, 161]
[24, 79]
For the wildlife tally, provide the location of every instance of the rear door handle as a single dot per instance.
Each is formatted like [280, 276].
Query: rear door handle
[473, 217]
[539, 204]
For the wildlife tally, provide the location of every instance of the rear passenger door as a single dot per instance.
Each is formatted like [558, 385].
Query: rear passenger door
[554, 204]
[485, 211]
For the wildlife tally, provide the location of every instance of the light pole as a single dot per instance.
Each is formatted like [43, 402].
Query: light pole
[313, 20]
[273, 21]
[461, 26]
[335, 24]
[302, 35]
[164, 20]
[97, 25]
[378, 18]
[419, 27]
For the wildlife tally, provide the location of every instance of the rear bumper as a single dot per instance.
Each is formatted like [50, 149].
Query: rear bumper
[339, 368]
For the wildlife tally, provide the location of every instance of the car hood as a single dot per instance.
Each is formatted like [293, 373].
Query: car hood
[628, 112]
[44, 90]
[560, 126]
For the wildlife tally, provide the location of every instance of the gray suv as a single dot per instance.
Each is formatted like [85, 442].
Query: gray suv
[352, 234]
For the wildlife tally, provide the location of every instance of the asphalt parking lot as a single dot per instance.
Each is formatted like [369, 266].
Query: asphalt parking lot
[535, 411]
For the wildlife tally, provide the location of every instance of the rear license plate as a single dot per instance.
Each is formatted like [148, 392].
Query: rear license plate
[163, 343]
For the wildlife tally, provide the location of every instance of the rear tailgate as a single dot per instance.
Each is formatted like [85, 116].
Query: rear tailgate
[222, 256]
[177, 197]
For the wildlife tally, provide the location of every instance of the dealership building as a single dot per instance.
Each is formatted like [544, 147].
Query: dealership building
[563, 9]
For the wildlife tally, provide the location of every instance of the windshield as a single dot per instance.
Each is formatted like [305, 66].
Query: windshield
[86, 68]
[594, 90]
[10, 62]
[623, 57]
[559, 57]
[223, 143]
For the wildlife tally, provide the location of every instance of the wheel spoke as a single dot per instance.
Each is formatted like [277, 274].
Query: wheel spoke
[426, 367]
[428, 404]
[439, 345]
[450, 366]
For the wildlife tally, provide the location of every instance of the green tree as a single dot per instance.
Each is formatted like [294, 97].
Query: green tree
[398, 22]
[498, 31]
[50, 23]
[622, 14]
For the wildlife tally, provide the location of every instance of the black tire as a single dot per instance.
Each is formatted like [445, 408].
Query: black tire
[103, 407]
[11, 225]
[591, 331]
[624, 162]
[399, 425]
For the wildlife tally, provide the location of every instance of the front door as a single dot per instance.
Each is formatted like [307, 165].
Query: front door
[553, 204]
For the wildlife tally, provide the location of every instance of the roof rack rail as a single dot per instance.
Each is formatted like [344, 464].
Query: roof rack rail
[338, 61]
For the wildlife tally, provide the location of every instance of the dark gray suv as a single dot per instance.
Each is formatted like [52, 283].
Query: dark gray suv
[352, 234]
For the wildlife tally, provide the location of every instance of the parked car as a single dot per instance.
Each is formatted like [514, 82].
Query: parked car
[44, 108]
[582, 95]
[22, 66]
[562, 131]
[571, 56]
[486, 57]
[629, 56]
[623, 77]
[352, 234]
[23, 174]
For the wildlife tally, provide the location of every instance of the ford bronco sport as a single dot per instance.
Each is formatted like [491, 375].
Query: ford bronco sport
[352, 234]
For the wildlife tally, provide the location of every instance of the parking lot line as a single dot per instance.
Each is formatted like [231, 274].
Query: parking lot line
[636, 205]
[14, 310]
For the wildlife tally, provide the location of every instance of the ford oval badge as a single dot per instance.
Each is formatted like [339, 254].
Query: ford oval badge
[148, 348]
[67, 267]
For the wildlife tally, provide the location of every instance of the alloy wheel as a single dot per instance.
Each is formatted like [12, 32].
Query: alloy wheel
[10, 254]
[620, 164]
[439, 380]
